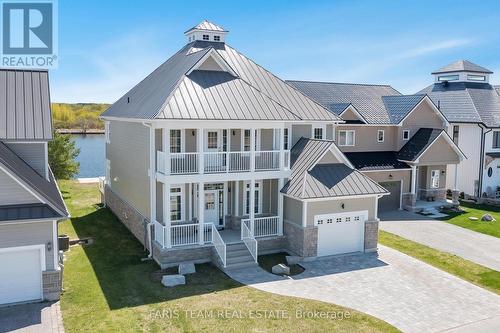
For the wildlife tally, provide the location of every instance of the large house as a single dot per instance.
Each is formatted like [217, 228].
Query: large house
[213, 158]
[30, 202]
[471, 104]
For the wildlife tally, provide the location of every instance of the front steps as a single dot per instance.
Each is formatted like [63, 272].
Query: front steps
[237, 256]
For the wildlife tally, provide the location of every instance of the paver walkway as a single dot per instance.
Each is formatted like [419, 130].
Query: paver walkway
[403, 291]
[33, 318]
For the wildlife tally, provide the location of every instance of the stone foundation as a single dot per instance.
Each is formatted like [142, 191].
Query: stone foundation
[371, 235]
[409, 201]
[437, 194]
[268, 245]
[51, 281]
[174, 256]
[454, 197]
[301, 241]
[131, 218]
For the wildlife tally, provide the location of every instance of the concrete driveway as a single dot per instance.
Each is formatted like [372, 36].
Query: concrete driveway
[465, 243]
[34, 318]
[403, 291]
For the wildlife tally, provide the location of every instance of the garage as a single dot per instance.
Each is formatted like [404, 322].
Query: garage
[21, 278]
[340, 233]
[393, 200]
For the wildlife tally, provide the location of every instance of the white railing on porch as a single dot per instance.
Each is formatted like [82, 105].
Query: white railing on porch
[239, 161]
[183, 163]
[267, 160]
[249, 240]
[184, 234]
[220, 246]
[263, 226]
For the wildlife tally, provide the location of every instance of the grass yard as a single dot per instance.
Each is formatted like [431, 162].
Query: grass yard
[462, 220]
[465, 269]
[107, 288]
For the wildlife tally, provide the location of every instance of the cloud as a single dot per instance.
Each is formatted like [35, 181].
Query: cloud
[432, 48]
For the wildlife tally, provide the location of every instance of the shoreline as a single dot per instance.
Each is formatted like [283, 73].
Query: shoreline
[79, 131]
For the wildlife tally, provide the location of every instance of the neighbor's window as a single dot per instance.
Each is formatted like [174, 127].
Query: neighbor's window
[448, 78]
[406, 134]
[285, 139]
[496, 139]
[206, 37]
[380, 136]
[318, 133]
[175, 204]
[456, 130]
[346, 138]
[217, 38]
[175, 141]
[471, 77]
[435, 178]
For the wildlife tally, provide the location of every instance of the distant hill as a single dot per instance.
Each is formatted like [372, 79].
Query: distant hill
[81, 116]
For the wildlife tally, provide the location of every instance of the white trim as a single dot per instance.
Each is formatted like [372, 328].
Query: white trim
[217, 58]
[107, 132]
[260, 190]
[353, 138]
[46, 155]
[385, 170]
[433, 107]
[403, 137]
[55, 244]
[221, 177]
[433, 178]
[355, 111]
[337, 198]
[363, 213]
[323, 131]
[183, 207]
[304, 213]
[378, 135]
[258, 134]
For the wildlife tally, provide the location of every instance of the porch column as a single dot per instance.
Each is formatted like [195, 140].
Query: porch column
[199, 149]
[455, 186]
[228, 149]
[201, 212]
[237, 198]
[166, 148]
[281, 182]
[225, 201]
[190, 202]
[281, 135]
[413, 179]
[251, 209]
[455, 194]
[252, 149]
[166, 216]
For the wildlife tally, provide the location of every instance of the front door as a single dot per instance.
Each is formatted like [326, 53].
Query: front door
[212, 207]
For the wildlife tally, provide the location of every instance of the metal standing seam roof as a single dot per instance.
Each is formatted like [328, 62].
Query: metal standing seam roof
[418, 143]
[151, 98]
[207, 25]
[27, 212]
[462, 65]
[25, 112]
[376, 160]
[398, 107]
[466, 102]
[47, 189]
[324, 180]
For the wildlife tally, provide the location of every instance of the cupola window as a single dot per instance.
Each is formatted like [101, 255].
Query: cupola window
[206, 37]
[448, 78]
[217, 38]
[471, 77]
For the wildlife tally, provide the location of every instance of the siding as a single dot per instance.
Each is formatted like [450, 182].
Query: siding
[292, 210]
[439, 153]
[128, 154]
[11, 193]
[422, 117]
[334, 206]
[23, 234]
[383, 176]
[299, 131]
[366, 138]
[32, 153]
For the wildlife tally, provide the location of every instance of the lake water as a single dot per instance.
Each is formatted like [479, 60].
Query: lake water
[92, 155]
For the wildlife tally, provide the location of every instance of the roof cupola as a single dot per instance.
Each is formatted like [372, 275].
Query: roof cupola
[206, 31]
[462, 71]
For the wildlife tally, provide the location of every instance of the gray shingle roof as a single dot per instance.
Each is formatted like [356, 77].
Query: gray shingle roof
[151, 97]
[324, 180]
[377, 104]
[418, 143]
[27, 212]
[25, 105]
[207, 25]
[462, 65]
[376, 160]
[46, 189]
[466, 102]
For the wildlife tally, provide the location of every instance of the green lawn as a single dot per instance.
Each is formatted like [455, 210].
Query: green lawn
[107, 288]
[465, 269]
[462, 220]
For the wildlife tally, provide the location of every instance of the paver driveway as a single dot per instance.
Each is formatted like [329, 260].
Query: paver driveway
[33, 318]
[403, 291]
[471, 245]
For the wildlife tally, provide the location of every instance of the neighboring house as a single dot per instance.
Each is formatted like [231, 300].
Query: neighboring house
[30, 202]
[397, 140]
[472, 106]
[213, 158]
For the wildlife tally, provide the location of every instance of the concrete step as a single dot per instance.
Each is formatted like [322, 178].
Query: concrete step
[239, 259]
[240, 265]
[235, 246]
[237, 253]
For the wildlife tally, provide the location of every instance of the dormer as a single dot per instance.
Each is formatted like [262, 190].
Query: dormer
[462, 71]
[206, 31]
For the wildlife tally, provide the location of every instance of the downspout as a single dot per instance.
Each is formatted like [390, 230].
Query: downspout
[152, 190]
[481, 161]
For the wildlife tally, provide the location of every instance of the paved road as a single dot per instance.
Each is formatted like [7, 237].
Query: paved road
[465, 243]
[403, 291]
[33, 318]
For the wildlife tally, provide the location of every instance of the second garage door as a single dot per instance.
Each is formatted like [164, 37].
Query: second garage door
[393, 200]
[340, 233]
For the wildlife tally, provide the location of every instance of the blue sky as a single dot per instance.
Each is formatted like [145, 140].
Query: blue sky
[106, 47]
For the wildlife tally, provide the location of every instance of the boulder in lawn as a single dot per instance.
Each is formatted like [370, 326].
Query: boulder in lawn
[173, 280]
[293, 260]
[473, 218]
[487, 217]
[187, 268]
[281, 269]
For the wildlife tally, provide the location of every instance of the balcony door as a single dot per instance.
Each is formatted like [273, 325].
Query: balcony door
[213, 146]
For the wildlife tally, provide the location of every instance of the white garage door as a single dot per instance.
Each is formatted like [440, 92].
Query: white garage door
[341, 233]
[20, 274]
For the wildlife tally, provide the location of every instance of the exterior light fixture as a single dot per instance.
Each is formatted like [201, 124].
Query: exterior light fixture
[49, 246]
[342, 205]
[390, 176]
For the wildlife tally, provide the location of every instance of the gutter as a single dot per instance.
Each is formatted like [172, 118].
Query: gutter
[481, 161]
[152, 190]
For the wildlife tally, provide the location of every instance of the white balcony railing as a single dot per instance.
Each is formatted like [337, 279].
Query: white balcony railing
[263, 226]
[220, 246]
[249, 239]
[220, 162]
[182, 234]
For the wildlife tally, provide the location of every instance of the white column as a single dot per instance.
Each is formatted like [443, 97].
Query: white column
[413, 179]
[281, 182]
[455, 187]
[304, 214]
[190, 201]
[251, 209]
[237, 198]
[166, 149]
[201, 212]
[228, 148]
[225, 202]
[199, 149]
[166, 216]
[281, 134]
[252, 149]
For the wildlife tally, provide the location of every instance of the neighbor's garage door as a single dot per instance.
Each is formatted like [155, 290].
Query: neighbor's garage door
[340, 233]
[393, 200]
[20, 275]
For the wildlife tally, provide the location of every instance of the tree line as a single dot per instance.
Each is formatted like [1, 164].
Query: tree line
[83, 116]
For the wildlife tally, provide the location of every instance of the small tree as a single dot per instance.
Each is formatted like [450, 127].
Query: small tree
[62, 154]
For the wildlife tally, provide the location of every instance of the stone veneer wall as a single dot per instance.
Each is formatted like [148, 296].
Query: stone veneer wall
[371, 235]
[130, 217]
[409, 201]
[301, 241]
[271, 244]
[51, 281]
[174, 256]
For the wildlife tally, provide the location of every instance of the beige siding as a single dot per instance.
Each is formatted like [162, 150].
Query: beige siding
[299, 131]
[422, 117]
[267, 139]
[349, 115]
[24, 234]
[11, 192]
[32, 153]
[329, 158]
[128, 154]
[383, 176]
[329, 132]
[236, 140]
[334, 206]
[366, 138]
[440, 152]
[190, 140]
[292, 210]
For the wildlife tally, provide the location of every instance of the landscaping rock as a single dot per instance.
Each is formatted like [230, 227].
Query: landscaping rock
[487, 217]
[293, 260]
[173, 280]
[281, 269]
[473, 218]
[187, 268]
